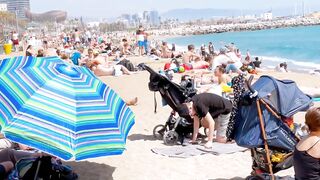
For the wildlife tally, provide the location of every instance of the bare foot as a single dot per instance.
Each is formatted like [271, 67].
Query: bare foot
[132, 102]
[208, 145]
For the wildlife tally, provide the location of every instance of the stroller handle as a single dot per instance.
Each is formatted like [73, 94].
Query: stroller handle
[254, 93]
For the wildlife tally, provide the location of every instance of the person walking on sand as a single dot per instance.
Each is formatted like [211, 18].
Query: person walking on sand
[211, 48]
[212, 112]
[140, 39]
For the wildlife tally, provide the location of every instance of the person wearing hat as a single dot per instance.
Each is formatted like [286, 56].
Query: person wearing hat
[211, 111]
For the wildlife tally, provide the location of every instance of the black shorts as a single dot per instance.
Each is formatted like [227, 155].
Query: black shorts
[2, 172]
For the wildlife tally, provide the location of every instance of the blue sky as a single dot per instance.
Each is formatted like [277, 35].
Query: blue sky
[113, 8]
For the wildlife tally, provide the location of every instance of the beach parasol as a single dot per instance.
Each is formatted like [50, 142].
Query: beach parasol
[61, 109]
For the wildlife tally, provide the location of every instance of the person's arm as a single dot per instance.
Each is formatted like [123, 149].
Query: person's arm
[210, 122]
[196, 125]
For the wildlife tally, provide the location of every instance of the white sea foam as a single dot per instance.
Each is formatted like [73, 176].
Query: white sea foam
[296, 64]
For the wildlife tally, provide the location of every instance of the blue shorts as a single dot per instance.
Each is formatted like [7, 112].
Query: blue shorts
[141, 43]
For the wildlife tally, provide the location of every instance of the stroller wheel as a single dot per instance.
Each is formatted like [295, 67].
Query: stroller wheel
[170, 138]
[159, 131]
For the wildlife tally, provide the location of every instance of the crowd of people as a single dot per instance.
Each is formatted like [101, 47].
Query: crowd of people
[105, 55]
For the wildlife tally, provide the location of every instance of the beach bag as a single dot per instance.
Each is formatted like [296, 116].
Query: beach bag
[126, 63]
[41, 168]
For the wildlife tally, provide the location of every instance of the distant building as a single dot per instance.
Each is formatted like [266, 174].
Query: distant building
[17, 6]
[154, 18]
[267, 16]
[3, 7]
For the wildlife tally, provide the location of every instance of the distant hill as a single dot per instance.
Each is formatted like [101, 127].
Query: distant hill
[192, 14]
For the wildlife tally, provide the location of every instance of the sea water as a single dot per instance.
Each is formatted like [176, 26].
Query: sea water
[298, 46]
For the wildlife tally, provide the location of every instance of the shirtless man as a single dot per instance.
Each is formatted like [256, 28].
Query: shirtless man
[192, 60]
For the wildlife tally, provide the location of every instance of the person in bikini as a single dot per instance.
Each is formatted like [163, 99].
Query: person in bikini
[306, 157]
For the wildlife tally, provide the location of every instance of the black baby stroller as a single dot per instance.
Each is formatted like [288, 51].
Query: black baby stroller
[176, 127]
[262, 123]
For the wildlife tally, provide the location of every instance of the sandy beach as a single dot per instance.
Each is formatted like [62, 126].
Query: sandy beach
[138, 162]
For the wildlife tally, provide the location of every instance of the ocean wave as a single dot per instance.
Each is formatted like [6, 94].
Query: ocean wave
[306, 64]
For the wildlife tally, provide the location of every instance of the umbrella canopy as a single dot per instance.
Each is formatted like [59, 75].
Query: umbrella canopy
[61, 109]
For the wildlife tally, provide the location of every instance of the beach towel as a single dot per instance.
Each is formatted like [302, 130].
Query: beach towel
[195, 150]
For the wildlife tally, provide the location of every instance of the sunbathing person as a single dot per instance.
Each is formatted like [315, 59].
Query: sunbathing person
[193, 61]
[100, 69]
[306, 157]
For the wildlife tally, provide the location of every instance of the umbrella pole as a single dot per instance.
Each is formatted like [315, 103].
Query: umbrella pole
[264, 138]
[37, 171]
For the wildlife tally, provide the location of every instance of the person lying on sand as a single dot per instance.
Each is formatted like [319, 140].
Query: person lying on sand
[100, 69]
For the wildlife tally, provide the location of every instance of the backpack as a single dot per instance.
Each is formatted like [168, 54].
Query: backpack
[126, 63]
[41, 168]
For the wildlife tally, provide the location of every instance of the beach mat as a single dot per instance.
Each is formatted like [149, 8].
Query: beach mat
[221, 148]
[195, 150]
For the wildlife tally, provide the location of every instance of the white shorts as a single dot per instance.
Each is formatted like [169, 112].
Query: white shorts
[222, 124]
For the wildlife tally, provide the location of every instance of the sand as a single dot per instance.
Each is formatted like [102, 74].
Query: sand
[139, 163]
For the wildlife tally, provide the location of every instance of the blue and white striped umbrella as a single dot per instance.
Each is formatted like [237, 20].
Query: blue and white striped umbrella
[61, 109]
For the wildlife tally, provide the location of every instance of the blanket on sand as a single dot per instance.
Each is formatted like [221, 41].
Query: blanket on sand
[195, 150]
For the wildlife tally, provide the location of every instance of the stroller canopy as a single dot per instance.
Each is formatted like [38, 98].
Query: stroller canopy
[286, 99]
[282, 95]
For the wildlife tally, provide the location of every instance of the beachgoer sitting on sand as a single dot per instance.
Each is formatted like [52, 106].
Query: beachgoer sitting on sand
[223, 78]
[229, 60]
[165, 51]
[87, 58]
[40, 53]
[306, 157]
[257, 62]
[125, 47]
[211, 111]
[30, 51]
[190, 56]
[282, 67]
[192, 60]
[66, 58]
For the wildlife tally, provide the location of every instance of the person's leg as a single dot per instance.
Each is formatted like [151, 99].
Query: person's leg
[13, 155]
[5, 168]
[200, 65]
[209, 123]
[222, 125]
[132, 102]
[146, 46]
[124, 70]
[5, 143]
